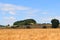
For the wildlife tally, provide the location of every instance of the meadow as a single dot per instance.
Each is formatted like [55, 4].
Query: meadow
[30, 34]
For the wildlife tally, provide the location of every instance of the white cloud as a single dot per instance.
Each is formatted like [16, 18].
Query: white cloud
[12, 12]
[22, 8]
[12, 8]
[44, 12]
[47, 19]
[31, 14]
[32, 11]
[9, 20]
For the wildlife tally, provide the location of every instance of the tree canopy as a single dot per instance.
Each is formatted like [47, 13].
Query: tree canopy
[55, 23]
[25, 22]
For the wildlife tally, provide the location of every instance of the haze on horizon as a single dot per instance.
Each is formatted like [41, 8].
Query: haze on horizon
[40, 10]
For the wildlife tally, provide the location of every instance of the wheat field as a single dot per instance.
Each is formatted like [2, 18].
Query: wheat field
[29, 34]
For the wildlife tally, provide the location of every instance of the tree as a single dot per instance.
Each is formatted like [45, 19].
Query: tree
[25, 22]
[55, 23]
[44, 27]
[30, 21]
[18, 22]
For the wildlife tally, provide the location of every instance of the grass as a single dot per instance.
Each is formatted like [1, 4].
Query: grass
[30, 34]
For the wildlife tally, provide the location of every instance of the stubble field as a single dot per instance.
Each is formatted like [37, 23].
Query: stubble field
[29, 34]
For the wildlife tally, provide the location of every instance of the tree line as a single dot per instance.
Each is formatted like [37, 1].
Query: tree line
[55, 23]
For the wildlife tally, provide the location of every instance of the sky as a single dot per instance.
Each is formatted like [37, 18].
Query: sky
[43, 11]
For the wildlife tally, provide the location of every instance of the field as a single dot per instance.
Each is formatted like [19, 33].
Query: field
[30, 34]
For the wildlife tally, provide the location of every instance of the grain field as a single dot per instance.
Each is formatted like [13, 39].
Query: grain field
[29, 34]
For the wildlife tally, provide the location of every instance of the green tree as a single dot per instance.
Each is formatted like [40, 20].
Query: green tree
[18, 23]
[30, 21]
[55, 23]
[25, 22]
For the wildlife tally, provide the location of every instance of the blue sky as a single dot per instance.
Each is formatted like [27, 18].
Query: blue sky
[40, 10]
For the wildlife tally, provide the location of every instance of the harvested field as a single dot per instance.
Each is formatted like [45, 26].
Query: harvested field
[29, 34]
